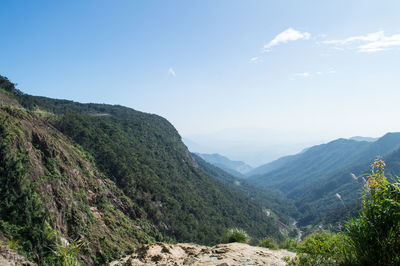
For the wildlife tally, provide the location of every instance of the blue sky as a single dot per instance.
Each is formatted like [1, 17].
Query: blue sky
[245, 72]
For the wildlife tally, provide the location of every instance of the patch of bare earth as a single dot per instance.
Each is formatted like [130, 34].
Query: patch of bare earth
[192, 254]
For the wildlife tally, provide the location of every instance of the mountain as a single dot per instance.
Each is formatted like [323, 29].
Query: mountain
[235, 168]
[112, 177]
[265, 168]
[359, 138]
[303, 170]
[313, 177]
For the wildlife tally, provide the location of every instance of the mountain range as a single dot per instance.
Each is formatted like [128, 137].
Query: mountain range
[313, 177]
[115, 178]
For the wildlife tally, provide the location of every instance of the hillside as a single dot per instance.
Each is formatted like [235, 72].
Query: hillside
[235, 168]
[47, 184]
[115, 166]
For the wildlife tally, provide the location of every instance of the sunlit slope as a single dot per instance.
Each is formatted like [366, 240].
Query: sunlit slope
[47, 183]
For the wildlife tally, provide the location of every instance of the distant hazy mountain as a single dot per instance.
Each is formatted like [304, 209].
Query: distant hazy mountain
[235, 168]
[266, 168]
[319, 161]
[359, 138]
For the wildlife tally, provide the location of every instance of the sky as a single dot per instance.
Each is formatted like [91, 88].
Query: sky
[253, 79]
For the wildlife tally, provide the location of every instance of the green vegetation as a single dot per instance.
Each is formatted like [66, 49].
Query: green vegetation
[371, 239]
[63, 252]
[235, 235]
[324, 248]
[289, 244]
[375, 235]
[268, 243]
[22, 212]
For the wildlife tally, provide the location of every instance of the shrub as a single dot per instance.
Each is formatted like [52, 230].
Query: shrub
[235, 235]
[325, 248]
[375, 235]
[371, 239]
[64, 253]
[289, 244]
[268, 243]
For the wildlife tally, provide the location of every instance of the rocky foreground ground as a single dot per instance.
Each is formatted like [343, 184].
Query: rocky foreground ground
[192, 254]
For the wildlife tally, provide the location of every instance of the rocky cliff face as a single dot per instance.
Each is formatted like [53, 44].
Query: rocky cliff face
[192, 254]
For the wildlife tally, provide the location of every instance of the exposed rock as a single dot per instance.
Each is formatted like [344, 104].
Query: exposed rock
[10, 257]
[192, 254]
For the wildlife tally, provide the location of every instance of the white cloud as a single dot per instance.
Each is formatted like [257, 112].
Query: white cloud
[287, 35]
[255, 60]
[369, 43]
[171, 71]
[304, 74]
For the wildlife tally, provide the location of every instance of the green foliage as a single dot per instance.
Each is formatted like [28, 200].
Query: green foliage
[13, 244]
[235, 235]
[22, 213]
[268, 243]
[375, 235]
[8, 86]
[289, 244]
[63, 253]
[324, 248]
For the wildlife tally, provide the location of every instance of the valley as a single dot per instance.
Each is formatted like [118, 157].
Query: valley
[221, 133]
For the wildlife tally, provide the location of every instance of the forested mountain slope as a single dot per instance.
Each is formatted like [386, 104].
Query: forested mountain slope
[48, 184]
[160, 185]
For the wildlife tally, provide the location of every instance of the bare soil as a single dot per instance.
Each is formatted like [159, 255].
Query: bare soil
[192, 254]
